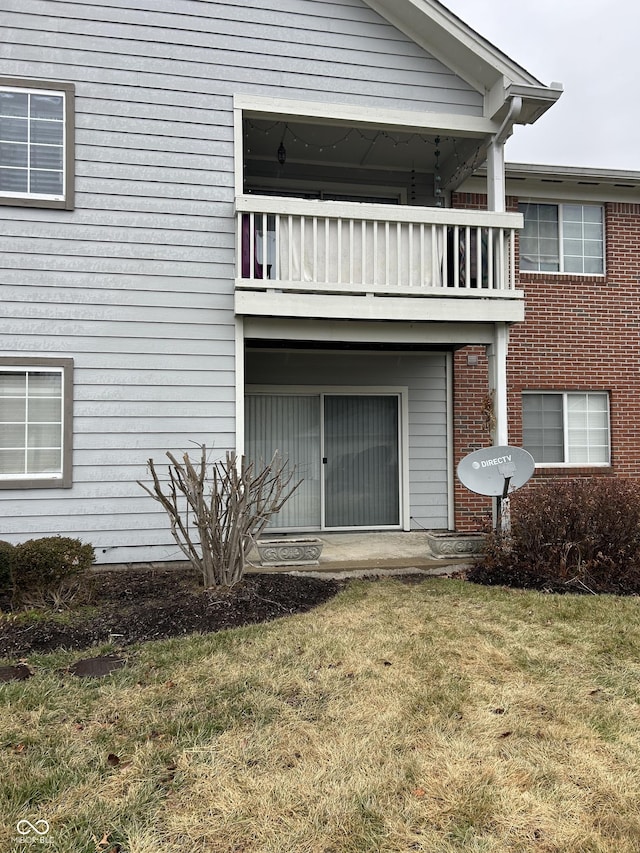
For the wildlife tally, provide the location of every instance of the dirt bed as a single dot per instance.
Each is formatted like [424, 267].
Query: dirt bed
[126, 607]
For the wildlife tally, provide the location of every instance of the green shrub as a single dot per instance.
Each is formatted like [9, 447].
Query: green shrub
[6, 559]
[578, 535]
[42, 567]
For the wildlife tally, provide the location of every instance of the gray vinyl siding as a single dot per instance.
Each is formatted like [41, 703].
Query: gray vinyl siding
[136, 283]
[297, 49]
[424, 375]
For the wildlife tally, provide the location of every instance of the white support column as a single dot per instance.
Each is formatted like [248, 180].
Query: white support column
[496, 202]
[239, 364]
[496, 185]
[497, 354]
[451, 505]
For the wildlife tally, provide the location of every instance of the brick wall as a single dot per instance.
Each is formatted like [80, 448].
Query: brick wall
[471, 430]
[580, 333]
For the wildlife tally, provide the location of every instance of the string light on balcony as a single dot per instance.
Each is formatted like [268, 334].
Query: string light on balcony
[437, 177]
[372, 137]
[282, 151]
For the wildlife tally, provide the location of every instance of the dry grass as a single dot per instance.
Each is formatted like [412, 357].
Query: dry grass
[432, 717]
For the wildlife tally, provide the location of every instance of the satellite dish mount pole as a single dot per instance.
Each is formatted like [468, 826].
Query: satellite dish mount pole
[507, 469]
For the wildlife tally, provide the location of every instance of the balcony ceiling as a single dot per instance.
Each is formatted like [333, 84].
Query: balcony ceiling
[371, 148]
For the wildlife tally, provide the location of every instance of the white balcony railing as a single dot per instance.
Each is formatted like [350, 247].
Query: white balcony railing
[330, 247]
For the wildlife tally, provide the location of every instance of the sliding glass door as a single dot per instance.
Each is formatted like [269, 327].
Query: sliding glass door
[361, 466]
[289, 424]
[346, 449]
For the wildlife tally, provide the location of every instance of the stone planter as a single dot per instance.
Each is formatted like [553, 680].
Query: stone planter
[451, 544]
[290, 552]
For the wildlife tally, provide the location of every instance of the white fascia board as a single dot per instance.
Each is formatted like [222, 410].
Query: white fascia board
[389, 308]
[256, 106]
[340, 331]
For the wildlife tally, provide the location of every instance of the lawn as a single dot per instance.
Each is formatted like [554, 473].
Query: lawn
[399, 716]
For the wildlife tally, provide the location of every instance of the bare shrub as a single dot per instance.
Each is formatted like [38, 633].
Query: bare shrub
[578, 535]
[217, 510]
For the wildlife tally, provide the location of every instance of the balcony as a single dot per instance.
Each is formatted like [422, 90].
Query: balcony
[350, 260]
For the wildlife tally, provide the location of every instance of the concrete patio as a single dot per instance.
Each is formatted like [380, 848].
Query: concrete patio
[374, 551]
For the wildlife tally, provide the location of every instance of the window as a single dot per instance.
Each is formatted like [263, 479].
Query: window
[36, 143]
[562, 238]
[566, 428]
[35, 423]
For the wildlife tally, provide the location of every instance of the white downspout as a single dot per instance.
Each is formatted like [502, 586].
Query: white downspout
[497, 354]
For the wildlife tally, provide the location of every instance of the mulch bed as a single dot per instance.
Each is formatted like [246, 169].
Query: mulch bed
[128, 607]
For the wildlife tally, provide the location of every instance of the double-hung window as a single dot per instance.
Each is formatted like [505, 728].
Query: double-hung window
[565, 238]
[35, 423]
[36, 143]
[566, 427]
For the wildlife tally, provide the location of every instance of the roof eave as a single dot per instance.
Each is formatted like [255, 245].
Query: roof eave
[468, 54]
[581, 174]
[536, 100]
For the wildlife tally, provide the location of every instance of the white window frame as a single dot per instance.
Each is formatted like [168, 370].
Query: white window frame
[63, 478]
[561, 254]
[66, 91]
[565, 430]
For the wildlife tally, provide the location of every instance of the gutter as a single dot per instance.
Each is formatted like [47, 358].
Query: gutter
[536, 100]
[512, 116]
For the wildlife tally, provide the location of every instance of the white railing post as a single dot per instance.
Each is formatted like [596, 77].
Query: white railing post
[327, 246]
[512, 259]
[467, 256]
[491, 281]
[252, 245]
[456, 256]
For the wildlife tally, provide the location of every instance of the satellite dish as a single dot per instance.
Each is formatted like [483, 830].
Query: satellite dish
[496, 470]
